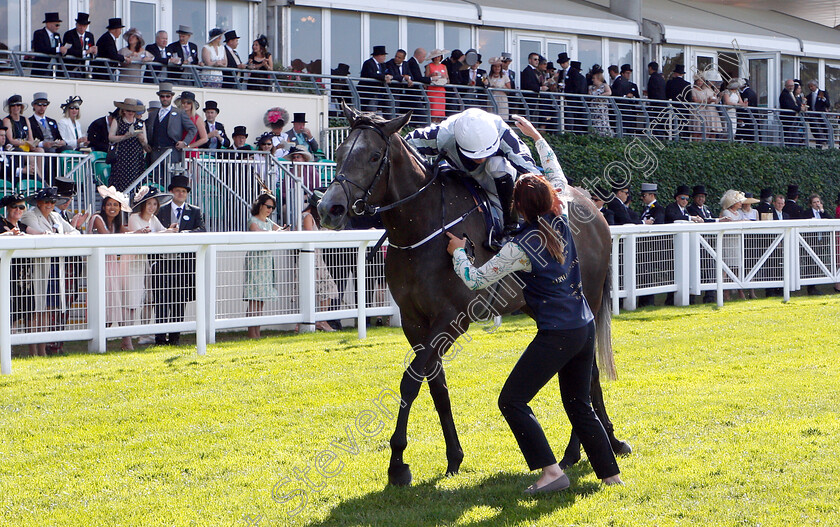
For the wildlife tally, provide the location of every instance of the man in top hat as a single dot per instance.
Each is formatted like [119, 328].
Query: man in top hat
[300, 135]
[66, 188]
[678, 210]
[656, 83]
[575, 81]
[45, 129]
[216, 137]
[748, 94]
[791, 207]
[233, 58]
[166, 127]
[184, 51]
[174, 275]
[653, 213]
[511, 75]
[374, 68]
[698, 205]
[240, 138]
[81, 42]
[623, 87]
[765, 204]
[677, 88]
[108, 48]
[47, 40]
[563, 65]
[622, 214]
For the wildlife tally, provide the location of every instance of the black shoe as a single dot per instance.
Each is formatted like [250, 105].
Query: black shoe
[335, 324]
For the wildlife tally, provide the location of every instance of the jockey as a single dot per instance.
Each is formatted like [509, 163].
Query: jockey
[483, 146]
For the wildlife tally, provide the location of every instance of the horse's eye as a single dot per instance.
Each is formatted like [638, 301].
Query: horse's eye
[375, 157]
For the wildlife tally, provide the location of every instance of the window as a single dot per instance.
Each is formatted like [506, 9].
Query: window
[788, 67]
[103, 10]
[456, 36]
[305, 39]
[671, 56]
[384, 31]
[421, 34]
[191, 13]
[729, 66]
[589, 52]
[10, 22]
[143, 18]
[621, 52]
[234, 15]
[832, 84]
[491, 42]
[808, 70]
[37, 10]
[346, 35]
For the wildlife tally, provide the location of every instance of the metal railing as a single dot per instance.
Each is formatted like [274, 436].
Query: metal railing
[552, 112]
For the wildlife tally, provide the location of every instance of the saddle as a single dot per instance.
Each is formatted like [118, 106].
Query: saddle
[492, 222]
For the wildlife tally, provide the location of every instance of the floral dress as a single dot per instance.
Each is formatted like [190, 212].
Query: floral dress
[260, 273]
[600, 112]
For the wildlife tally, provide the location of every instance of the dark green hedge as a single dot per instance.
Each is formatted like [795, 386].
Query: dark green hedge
[719, 166]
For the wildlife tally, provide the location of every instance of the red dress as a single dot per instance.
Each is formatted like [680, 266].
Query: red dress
[194, 119]
[437, 94]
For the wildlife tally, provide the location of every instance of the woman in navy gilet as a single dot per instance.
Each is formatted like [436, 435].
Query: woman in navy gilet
[543, 255]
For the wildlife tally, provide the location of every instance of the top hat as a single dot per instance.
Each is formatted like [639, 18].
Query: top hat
[379, 50]
[575, 64]
[147, 193]
[166, 87]
[153, 104]
[66, 186]
[115, 23]
[649, 187]
[300, 117]
[682, 190]
[46, 194]
[186, 30]
[179, 181]
[231, 35]
[766, 193]
[51, 17]
[40, 96]
[211, 105]
[699, 189]
[792, 192]
[562, 58]
[506, 57]
[214, 34]
[626, 67]
[11, 199]
[550, 66]
[240, 130]
[679, 68]
[342, 70]
[83, 19]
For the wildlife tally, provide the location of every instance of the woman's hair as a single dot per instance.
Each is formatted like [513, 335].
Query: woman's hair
[260, 201]
[140, 43]
[117, 225]
[494, 74]
[262, 42]
[533, 197]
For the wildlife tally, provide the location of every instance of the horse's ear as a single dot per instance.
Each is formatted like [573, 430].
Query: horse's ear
[395, 125]
[350, 113]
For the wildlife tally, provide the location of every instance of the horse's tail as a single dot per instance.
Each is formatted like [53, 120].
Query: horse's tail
[603, 332]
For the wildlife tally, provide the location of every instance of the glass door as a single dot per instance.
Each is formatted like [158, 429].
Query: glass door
[554, 48]
[546, 46]
[526, 46]
[762, 71]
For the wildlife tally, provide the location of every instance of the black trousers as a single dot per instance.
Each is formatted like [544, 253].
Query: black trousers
[569, 354]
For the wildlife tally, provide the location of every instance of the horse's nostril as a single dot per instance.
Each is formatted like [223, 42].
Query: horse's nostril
[337, 210]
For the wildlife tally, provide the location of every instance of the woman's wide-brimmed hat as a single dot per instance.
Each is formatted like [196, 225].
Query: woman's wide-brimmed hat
[438, 52]
[730, 198]
[11, 199]
[735, 84]
[147, 193]
[300, 151]
[14, 100]
[116, 195]
[187, 96]
[74, 101]
[46, 194]
[131, 105]
[214, 34]
[749, 199]
[495, 60]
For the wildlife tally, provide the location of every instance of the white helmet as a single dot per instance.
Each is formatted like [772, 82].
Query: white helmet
[477, 133]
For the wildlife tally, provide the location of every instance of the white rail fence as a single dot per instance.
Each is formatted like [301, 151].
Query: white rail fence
[66, 288]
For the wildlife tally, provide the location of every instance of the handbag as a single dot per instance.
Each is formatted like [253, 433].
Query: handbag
[111, 156]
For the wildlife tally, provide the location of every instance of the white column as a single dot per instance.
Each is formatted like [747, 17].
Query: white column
[630, 272]
[361, 290]
[6, 313]
[682, 265]
[96, 301]
[210, 292]
[201, 301]
[306, 287]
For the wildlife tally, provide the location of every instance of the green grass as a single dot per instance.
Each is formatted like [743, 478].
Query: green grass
[732, 413]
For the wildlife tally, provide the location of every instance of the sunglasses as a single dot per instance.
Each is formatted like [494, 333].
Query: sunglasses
[19, 207]
[683, 197]
[268, 206]
[41, 104]
[165, 96]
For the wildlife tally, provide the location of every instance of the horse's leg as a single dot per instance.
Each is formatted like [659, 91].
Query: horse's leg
[440, 395]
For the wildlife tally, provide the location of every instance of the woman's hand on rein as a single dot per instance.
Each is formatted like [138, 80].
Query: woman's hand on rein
[454, 243]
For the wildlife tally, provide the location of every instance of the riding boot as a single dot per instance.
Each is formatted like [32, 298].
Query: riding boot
[504, 189]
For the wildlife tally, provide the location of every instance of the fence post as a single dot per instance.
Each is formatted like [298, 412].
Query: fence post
[361, 291]
[682, 265]
[201, 301]
[791, 256]
[614, 276]
[210, 292]
[6, 313]
[719, 267]
[630, 272]
[695, 263]
[307, 287]
[96, 300]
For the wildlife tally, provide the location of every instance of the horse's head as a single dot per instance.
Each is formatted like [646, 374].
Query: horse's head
[362, 166]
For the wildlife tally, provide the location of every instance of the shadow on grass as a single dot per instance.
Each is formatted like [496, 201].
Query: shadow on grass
[496, 500]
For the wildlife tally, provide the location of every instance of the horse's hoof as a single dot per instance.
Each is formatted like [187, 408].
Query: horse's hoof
[567, 463]
[454, 464]
[399, 475]
[622, 448]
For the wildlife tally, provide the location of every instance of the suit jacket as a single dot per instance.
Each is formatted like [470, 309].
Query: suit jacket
[820, 103]
[621, 87]
[480, 75]
[35, 126]
[622, 215]
[231, 59]
[529, 79]
[788, 102]
[42, 43]
[512, 76]
[809, 214]
[397, 71]
[374, 70]
[160, 58]
[97, 134]
[608, 215]
[748, 94]
[176, 49]
[656, 87]
[106, 48]
[764, 208]
[705, 213]
[416, 72]
[673, 213]
[793, 209]
[654, 211]
[785, 215]
[576, 82]
[224, 141]
[456, 75]
[76, 48]
[678, 89]
[192, 220]
[178, 123]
